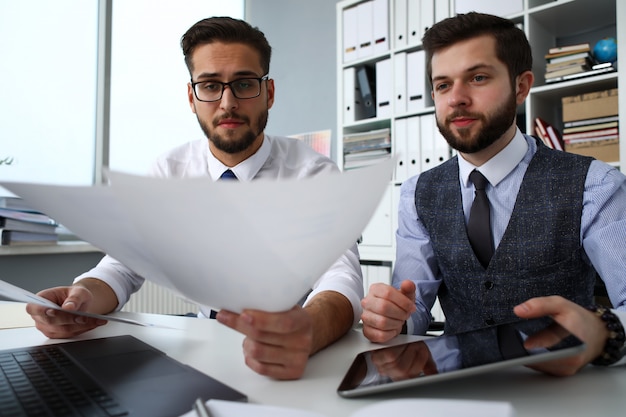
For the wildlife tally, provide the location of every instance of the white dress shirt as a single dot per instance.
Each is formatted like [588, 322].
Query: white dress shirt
[278, 158]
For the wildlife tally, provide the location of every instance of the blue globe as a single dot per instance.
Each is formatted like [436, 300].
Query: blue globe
[605, 50]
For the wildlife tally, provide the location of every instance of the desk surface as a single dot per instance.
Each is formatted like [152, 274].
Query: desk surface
[216, 351]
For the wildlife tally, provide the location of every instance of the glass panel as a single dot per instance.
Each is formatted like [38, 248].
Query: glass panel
[149, 109]
[48, 84]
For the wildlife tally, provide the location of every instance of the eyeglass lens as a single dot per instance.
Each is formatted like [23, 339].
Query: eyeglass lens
[243, 88]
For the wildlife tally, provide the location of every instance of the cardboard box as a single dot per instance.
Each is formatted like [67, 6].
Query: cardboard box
[590, 105]
[603, 150]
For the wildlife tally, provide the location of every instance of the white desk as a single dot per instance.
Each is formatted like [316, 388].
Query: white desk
[216, 351]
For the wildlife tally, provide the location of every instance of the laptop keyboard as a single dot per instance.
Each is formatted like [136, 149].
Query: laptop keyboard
[43, 381]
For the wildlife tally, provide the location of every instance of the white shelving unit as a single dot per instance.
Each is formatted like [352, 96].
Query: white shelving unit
[547, 23]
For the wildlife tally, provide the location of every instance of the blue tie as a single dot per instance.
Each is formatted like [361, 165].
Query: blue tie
[228, 175]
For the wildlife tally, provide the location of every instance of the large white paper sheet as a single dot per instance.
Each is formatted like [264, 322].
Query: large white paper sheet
[232, 245]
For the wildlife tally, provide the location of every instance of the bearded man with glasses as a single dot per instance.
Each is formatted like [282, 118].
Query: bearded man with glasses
[231, 93]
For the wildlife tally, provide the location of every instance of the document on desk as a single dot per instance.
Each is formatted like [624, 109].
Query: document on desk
[232, 245]
[400, 407]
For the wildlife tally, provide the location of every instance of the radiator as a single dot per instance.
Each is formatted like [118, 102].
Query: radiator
[153, 298]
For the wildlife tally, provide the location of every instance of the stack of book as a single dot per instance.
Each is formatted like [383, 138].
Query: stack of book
[548, 134]
[573, 61]
[590, 124]
[366, 148]
[20, 225]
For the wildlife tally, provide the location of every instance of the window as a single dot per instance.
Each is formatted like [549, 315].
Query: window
[48, 84]
[147, 121]
[49, 79]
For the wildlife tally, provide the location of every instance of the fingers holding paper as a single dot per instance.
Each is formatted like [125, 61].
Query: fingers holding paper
[276, 344]
[59, 325]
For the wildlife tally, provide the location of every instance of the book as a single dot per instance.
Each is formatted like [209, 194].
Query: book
[26, 216]
[596, 120]
[599, 138]
[581, 47]
[18, 238]
[595, 70]
[540, 130]
[593, 126]
[568, 57]
[374, 139]
[591, 134]
[555, 138]
[15, 203]
[573, 69]
[548, 134]
[7, 223]
[570, 63]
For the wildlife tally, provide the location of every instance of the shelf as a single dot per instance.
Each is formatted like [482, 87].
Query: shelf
[575, 87]
[566, 18]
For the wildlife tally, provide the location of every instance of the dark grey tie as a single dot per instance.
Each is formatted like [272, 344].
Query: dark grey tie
[228, 175]
[479, 224]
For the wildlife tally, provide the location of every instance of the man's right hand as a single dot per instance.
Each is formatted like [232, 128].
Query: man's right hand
[57, 324]
[386, 309]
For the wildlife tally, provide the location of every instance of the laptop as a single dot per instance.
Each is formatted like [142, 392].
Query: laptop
[112, 376]
[449, 357]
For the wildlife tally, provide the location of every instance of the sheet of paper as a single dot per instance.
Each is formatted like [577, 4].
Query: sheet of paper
[436, 408]
[398, 407]
[231, 245]
[219, 408]
[16, 293]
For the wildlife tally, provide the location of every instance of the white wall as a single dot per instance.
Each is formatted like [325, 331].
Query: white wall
[303, 37]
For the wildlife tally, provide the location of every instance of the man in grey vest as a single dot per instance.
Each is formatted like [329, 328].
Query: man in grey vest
[553, 219]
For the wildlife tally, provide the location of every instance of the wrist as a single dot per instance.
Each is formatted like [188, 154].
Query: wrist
[614, 347]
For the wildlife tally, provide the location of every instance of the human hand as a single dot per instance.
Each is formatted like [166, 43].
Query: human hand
[277, 345]
[385, 309]
[58, 324]
[404, 361]
[576, 319]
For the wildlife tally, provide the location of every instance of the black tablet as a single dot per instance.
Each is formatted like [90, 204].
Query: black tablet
[452, 356]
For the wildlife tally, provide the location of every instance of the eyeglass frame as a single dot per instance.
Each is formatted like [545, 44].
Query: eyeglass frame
[259, 79]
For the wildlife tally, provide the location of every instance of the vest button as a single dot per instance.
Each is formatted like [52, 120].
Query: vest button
[489, 285]
[490, 322]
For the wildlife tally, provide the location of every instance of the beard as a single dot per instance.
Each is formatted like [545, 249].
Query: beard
[494, 126]
[229, 143]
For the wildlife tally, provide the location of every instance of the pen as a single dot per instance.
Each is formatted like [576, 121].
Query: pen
[201, 408]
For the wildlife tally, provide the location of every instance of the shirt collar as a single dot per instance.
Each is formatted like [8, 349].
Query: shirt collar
[245, 170]
[501, 165]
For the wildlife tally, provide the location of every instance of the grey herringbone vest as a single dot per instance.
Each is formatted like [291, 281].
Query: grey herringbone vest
[540, 252]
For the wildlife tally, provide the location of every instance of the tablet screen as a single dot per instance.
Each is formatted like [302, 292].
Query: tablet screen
[450, 356]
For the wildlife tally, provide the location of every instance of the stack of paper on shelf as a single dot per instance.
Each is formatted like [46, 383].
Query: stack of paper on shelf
[591, 124]
[20, 227]
[366, 148]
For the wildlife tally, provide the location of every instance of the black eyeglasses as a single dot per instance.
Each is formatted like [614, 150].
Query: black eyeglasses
[242, 88]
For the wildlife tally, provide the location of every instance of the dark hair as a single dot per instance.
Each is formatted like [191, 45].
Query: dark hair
[228, 30]
[512, 47]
